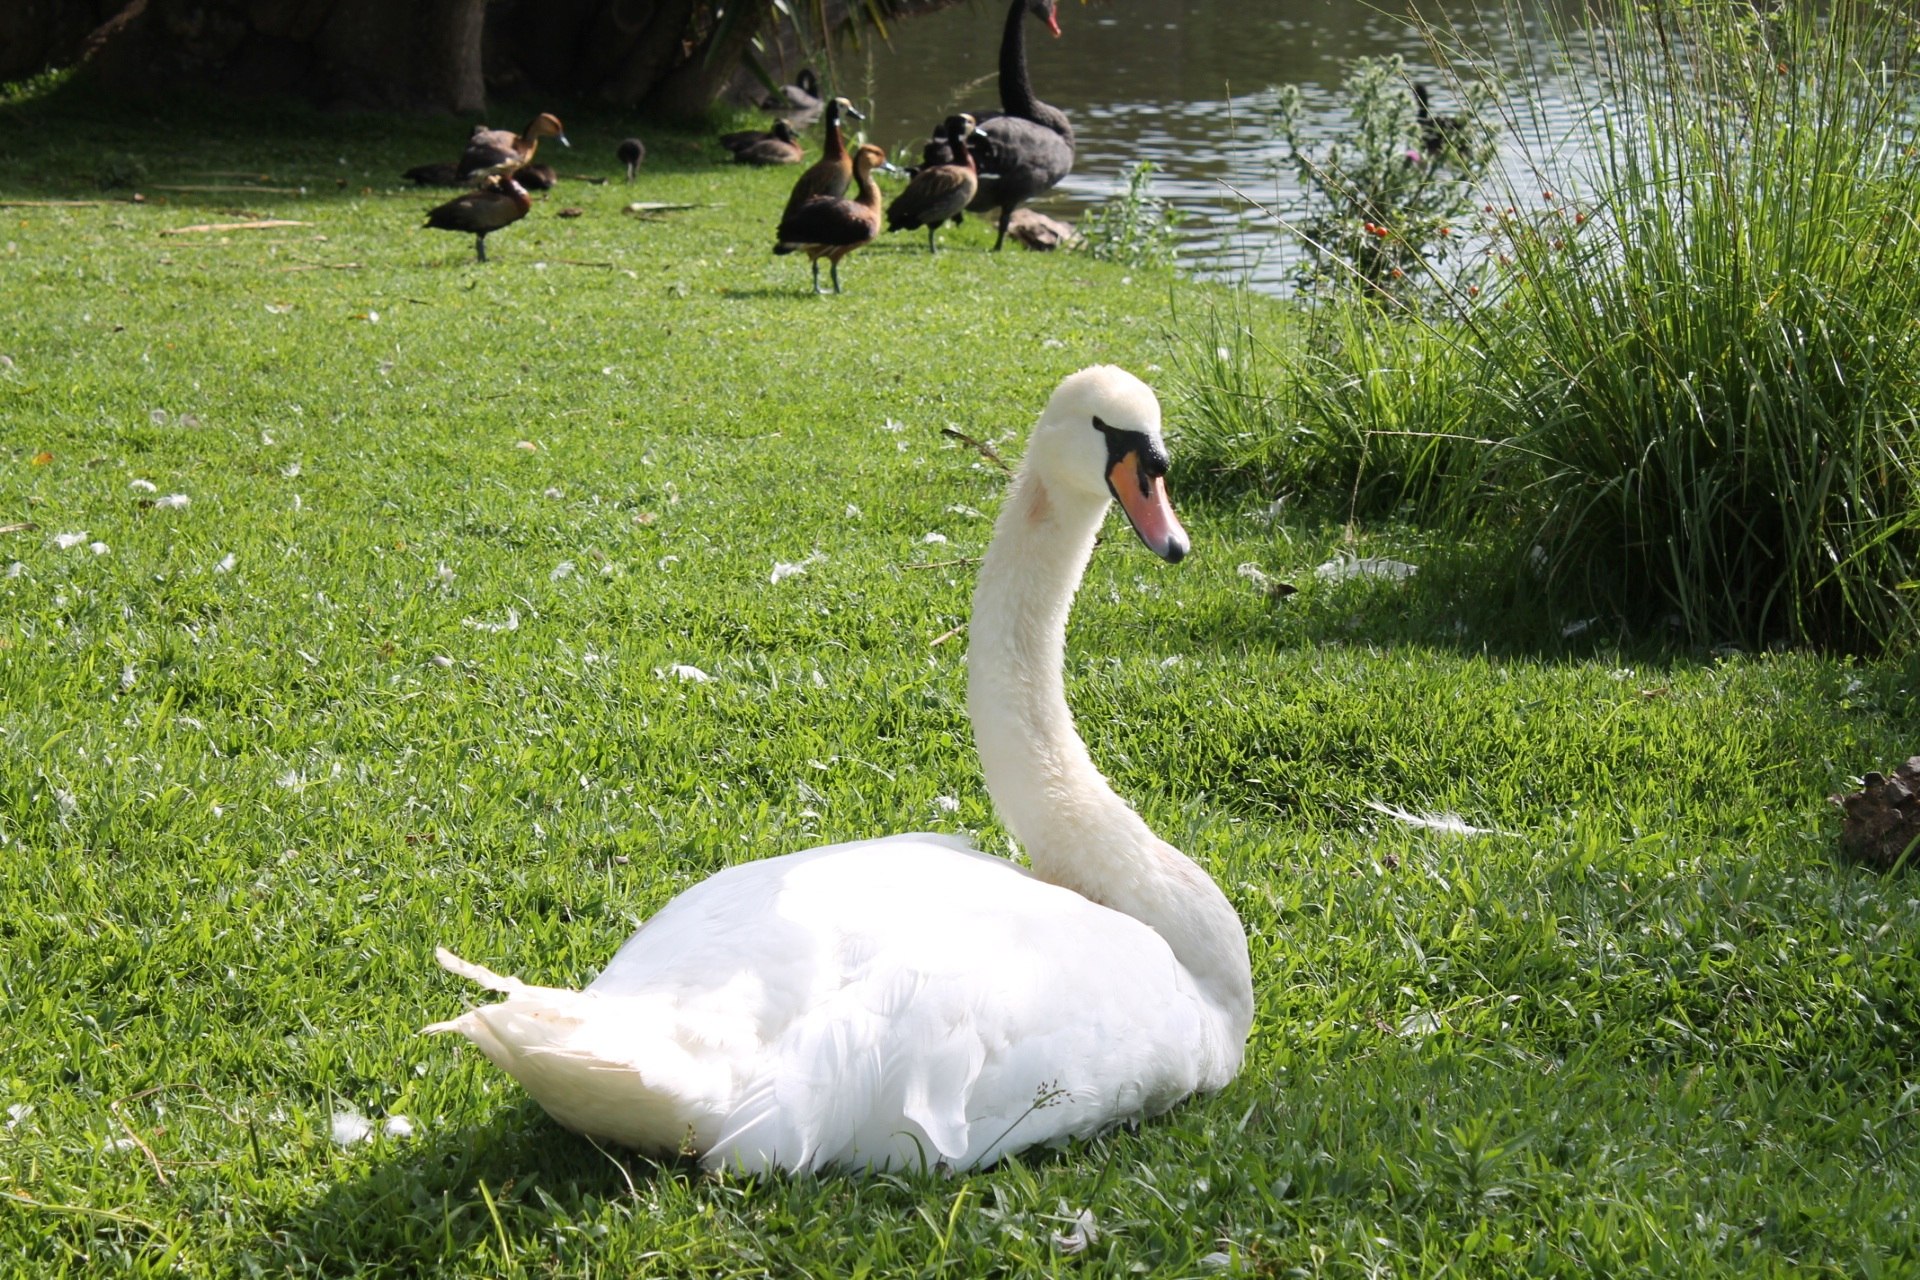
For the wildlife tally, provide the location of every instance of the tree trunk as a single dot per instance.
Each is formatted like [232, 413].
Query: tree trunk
[689, 89]
[672, 57]
[345, 53]
[38, 34]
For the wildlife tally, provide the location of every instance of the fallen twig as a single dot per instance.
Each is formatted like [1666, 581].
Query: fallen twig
[21, 1197]
[138, 1141]
[323, 266]
[986, 450]
[264, 224]
[943, 564]
[226, 186]
[945, 636]
[19, 526]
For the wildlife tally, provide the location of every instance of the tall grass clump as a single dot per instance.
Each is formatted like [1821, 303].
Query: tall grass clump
[1684, 380]
[1716, 359]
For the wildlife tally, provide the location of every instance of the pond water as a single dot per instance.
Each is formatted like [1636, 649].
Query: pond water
[1188, 85]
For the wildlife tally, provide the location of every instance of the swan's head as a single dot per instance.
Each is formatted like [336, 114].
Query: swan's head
[1046, 11]
[1099, 437]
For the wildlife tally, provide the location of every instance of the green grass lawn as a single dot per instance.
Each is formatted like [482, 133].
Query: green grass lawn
[410, 668]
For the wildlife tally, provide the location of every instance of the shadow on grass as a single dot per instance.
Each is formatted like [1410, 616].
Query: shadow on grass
[431, 1200]
[67, 146]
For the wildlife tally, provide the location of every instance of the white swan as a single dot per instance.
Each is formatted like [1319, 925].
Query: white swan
[907, 1001]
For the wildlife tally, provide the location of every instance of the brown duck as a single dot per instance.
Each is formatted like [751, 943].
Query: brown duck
[938, 191]
[484, 210]
[831, 228]
[743, 138]
[832, 173]
[491, 151]
[781, 146]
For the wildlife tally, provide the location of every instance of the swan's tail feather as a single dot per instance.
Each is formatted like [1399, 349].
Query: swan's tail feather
[475, 973]
[617, 1068]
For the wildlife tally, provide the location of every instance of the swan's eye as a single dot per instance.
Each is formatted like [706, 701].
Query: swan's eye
[1122, 442]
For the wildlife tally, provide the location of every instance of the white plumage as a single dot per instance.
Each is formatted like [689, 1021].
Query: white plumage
[907, 1001]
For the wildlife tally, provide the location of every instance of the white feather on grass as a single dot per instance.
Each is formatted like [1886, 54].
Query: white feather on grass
[1451, 824]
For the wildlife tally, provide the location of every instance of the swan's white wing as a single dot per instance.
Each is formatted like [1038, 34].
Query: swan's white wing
[914, 1001]
[899, 1002]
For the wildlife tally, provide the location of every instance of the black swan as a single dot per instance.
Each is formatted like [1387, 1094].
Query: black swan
[1437, 133]
[1027, 148]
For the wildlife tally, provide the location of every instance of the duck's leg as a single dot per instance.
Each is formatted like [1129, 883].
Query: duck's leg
[480, 246]
[834, 271]
[931, 247]
[816, 275]
[1006, 216]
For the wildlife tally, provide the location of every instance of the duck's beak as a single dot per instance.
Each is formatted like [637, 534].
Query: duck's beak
[1053, 25]
[1142, 494]
[563, 141]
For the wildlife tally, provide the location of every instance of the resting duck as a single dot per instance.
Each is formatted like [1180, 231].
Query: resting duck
[908, 1002]
[444, 173]
[780, 146]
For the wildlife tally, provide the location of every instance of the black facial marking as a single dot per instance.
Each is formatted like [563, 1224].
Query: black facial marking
[1120, 443]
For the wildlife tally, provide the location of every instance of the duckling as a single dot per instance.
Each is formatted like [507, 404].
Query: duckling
[484, 210]
[782, 146]
[492, 151]
[938, 191]
[831, 228]
[631, 152]
[536, 177]
[832, 173]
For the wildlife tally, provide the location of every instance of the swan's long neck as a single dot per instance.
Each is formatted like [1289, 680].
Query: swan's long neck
[1076, 832]
[1016, 88]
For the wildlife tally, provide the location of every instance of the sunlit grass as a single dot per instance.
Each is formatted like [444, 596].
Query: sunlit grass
[402, 673]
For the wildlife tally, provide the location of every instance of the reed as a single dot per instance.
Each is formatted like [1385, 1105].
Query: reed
[1687, 389]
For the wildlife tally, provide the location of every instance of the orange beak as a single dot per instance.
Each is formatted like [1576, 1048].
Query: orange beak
[1144, 498]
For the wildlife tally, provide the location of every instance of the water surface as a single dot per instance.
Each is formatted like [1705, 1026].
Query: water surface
[1187, 84]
